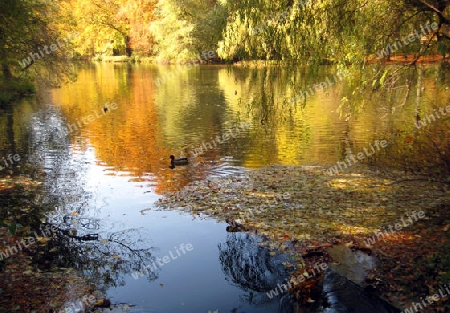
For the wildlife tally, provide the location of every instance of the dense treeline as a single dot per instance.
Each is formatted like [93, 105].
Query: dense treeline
[302, 31]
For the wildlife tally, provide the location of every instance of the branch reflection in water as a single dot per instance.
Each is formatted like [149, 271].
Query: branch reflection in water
[252, 267]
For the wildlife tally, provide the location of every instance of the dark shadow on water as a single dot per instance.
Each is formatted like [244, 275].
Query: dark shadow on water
[252, 268]
[342, 295]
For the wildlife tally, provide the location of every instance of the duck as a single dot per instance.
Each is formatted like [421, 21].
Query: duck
[179, 161]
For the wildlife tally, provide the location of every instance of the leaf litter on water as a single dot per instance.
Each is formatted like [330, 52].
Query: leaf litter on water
[307, 207]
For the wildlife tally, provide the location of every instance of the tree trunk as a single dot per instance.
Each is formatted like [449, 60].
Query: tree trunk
[128, 49]
[7, 75]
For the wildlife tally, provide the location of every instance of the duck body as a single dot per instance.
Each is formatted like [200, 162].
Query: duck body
[179, 161]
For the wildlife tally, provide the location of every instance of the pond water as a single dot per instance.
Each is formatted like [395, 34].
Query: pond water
[102, 144]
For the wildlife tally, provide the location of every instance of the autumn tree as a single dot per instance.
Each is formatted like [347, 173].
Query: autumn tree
[114, 27]
[141, 13]
[343, 31]
[32, 42]
[184, 29]
[104, 27]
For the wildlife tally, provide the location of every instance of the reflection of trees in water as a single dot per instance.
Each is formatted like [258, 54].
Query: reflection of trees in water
[251, 267]
[49, 152]
[77, 244]
[105, 261]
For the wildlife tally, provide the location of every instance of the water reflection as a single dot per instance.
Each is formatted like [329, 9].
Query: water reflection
[98, 177]
[190, 110]
[251, 266]
[83, 240]
[101, 233]
[104, 261]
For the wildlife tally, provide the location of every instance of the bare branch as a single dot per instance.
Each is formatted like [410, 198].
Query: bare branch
[431, 7]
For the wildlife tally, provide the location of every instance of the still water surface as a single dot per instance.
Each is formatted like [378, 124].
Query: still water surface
[104, 169]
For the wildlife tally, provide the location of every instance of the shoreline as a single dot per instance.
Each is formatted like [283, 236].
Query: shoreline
[395, 59]
[322, 211]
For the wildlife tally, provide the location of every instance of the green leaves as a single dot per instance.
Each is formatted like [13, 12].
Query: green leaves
[12, 226]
